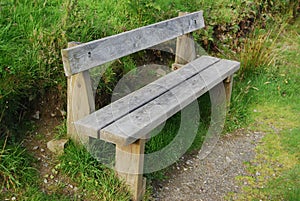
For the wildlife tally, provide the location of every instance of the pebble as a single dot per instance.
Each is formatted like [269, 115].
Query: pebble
[35, 147]
[13, 198]
[42, 150]
[36, 115]
[228, 160]
[45, 181]
[189, 162]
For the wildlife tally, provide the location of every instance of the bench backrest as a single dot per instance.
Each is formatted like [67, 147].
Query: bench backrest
[88, 55]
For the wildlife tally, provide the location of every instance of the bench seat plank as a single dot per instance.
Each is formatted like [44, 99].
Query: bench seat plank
[140, 122]
[93, 123]
[88, 55]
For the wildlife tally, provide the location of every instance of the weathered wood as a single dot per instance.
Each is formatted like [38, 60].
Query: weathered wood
[185, 49]
[80, 101]
[182, 92]
[94, 53]
[93, 123]
[141, 121]
[228, 89]
[129, 166]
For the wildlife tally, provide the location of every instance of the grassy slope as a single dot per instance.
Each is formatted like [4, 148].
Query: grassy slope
[274, 173]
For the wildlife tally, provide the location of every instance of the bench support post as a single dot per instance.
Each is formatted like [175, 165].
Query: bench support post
[129, 166]
[228, 89]
[185, 49]
[80, 101]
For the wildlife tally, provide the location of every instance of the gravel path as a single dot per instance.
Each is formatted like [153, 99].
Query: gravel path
[213, 177]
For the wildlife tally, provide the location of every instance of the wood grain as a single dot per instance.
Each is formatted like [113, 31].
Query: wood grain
[94, 53]
[185, 49]
[135, 124]
[129, 166]
[141, 121]
[93, 123]
[80, 101]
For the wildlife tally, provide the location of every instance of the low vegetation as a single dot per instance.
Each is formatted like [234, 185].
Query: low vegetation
[32, 34]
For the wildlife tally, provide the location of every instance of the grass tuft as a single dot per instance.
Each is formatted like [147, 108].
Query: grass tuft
[15, 166]
[100, 182]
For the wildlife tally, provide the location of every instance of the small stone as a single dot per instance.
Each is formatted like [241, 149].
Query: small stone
[57, 146]
[13, 198]
[53, 114]
[42, 150]
[185, 169]
[45, 181]
[36, 115]
[228, 160]
[35, 147]
[70, 185]
[167, 188]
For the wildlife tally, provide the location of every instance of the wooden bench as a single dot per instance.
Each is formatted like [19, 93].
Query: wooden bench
[125, 122]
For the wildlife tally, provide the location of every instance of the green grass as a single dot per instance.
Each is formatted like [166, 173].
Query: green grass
[274, 109]
[15, 166]
[99, 182]
[32, 34]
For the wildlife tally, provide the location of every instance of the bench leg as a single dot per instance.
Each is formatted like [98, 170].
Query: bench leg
[129, 166]
[228, 88]
[81, 101]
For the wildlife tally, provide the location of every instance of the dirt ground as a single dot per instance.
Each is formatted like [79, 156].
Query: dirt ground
[213, 177]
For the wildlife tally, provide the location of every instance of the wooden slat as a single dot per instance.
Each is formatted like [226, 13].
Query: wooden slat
[93, 123]
[95, 53]
[141, 121]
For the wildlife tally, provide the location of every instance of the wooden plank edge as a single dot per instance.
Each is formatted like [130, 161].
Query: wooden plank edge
[124, 141]
[70, 69]
[82, 125]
